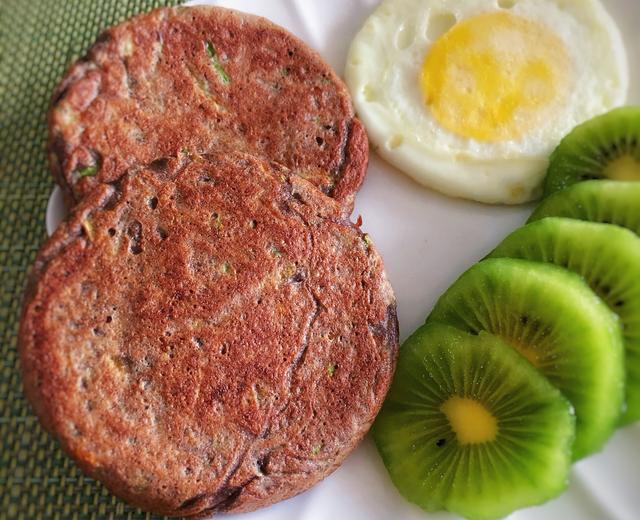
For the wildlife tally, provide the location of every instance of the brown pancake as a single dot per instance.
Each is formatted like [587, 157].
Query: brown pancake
[193, 78]
[209, 334]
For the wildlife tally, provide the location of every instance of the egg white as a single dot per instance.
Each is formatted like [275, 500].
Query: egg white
[383, 70]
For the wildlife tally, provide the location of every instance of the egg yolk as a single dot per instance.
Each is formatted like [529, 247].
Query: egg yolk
[495, 77]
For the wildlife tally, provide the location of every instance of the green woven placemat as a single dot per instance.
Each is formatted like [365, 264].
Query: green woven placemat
[38, 39]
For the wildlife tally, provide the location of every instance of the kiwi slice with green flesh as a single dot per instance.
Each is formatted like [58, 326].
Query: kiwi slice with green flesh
[608, 257]
[606, 147]
[608, 202]
[471, 427]
[552, 317]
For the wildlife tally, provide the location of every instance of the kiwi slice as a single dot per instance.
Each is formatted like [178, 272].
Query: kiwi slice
[606, 147]
[552, 317]
[608, 257]
[608, 202]
[470, 427]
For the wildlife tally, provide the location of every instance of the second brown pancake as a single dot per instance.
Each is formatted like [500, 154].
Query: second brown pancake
[207, 335]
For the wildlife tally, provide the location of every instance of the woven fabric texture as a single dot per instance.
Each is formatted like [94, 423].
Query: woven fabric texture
[38, 40]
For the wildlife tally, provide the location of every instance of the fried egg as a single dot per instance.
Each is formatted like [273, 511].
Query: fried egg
[469, 97]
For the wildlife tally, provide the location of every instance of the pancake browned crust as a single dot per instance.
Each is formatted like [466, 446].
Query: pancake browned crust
[193, 78]
[209, 334]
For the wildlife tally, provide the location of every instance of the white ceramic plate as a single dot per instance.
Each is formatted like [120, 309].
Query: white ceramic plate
[427, 241]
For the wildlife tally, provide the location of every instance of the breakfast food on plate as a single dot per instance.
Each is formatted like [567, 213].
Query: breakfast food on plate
[606, 147]
[608, 258]
[608, 202]
[551, 317]
[209, 334]
[469, 97]
[471, 427]
[194, 78]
